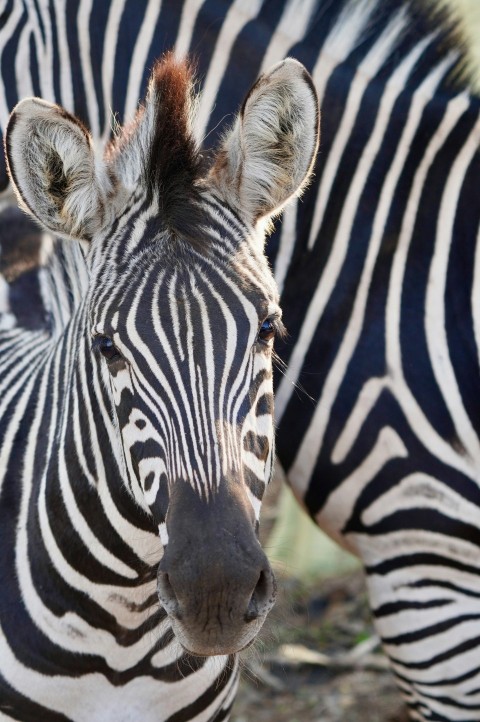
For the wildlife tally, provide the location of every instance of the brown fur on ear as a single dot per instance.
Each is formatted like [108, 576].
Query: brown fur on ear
[174, 159]
[268, 155]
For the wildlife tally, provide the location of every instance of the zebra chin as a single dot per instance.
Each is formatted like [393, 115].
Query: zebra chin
[220, 641]
[214, 580]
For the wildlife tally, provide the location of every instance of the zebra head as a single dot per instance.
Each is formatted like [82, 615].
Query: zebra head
[180, 313]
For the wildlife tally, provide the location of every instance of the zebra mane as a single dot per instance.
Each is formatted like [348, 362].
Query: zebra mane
[158, 148]
[428, 17]
[358, 24]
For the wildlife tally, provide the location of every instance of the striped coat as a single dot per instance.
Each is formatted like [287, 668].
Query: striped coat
[378, 272]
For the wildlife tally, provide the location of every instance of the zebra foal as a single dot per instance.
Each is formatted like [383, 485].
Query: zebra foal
[137, 442]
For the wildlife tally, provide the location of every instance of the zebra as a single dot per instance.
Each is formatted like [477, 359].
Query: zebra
[137, 441]
[377, 267]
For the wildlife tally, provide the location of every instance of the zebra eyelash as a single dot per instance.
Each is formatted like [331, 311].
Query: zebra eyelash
[280, 328]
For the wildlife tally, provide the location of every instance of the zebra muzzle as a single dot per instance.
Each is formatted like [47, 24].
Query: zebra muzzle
[214, 580]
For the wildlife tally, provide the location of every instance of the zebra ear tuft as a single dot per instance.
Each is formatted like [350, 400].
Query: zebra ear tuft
[268, 155]
[53, 169]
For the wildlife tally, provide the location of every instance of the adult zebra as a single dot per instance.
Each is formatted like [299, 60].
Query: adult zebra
[378, 269]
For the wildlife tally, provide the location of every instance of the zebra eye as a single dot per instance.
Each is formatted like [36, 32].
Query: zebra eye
[267, 330]
[105, 346]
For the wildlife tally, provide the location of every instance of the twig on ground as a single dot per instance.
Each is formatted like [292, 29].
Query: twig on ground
[360, 657]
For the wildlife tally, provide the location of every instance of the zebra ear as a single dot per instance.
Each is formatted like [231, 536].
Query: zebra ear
[53, 169]
[268, 155]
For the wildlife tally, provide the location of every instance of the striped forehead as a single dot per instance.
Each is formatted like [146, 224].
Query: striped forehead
[184, 299]
[140, 230]
[224, 273]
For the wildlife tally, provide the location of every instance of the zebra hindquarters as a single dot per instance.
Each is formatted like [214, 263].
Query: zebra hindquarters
[407, 504]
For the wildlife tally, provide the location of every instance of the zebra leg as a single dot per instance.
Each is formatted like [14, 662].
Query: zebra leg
[424, 591]
[413, 521]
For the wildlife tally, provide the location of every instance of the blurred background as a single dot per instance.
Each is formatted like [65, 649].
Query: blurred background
[319, 659]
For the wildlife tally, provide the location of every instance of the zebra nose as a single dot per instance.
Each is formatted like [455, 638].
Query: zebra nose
[263, 596]
[246, 595]
[214, 580]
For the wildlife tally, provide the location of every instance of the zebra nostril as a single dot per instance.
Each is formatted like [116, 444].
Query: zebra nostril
[262, 597]
[252, 610]
[167, 596]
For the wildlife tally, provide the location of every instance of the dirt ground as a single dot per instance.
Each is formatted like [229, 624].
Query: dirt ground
[318, 660]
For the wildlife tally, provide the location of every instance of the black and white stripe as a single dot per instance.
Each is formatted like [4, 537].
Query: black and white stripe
[378, 271]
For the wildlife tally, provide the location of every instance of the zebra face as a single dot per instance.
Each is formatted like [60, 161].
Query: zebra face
[187, 352]
[180, 314]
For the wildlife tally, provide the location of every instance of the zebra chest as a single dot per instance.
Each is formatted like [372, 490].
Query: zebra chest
[92, 698]
[127, 667]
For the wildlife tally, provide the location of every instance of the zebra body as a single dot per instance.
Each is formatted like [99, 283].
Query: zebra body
[378, 273]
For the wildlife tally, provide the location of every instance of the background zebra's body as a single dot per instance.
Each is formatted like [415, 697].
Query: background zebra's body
[378, 269]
